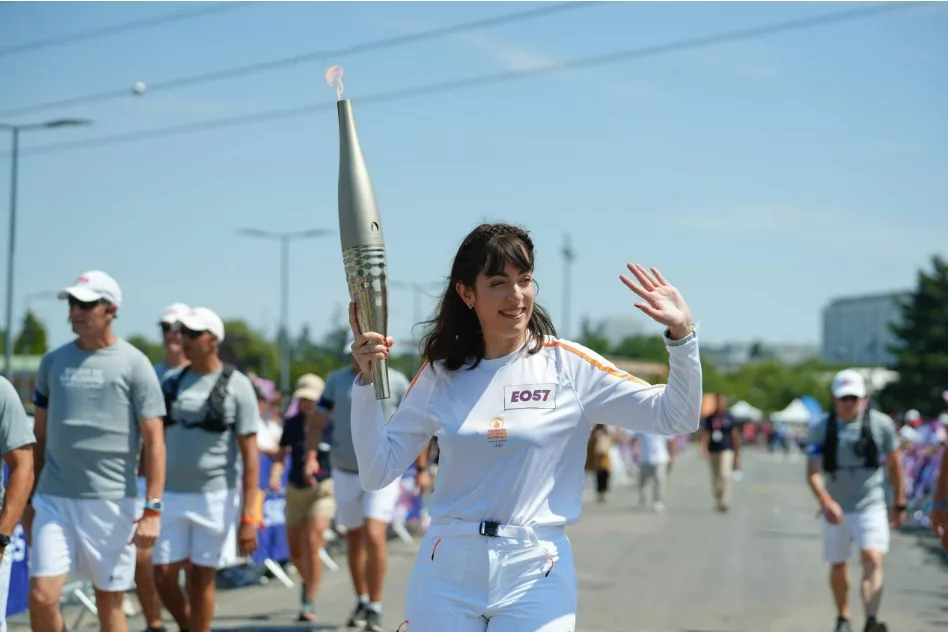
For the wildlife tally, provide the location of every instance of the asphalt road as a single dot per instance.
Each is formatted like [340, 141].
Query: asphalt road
[690, 570]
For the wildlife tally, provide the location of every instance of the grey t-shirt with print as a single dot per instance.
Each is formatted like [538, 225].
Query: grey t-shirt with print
[336, 402]
[95, 401]
[199, 460]
[15, 429]
[854, 486]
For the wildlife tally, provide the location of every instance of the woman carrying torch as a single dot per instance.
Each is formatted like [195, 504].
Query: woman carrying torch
[512, 407]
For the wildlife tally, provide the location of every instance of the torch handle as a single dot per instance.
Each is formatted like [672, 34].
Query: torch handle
[380, 379]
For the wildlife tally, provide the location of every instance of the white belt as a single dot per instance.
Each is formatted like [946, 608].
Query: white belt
[496, 530]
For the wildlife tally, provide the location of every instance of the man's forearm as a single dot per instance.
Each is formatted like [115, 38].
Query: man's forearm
[815, 480]
[154, 469]
[421, 462]
[250, 481]
[19, 487]
[941, 486]
[39, 461]
[895, 476]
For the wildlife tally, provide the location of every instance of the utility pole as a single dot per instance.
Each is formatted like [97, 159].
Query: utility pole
[284, 239]
[569, 255]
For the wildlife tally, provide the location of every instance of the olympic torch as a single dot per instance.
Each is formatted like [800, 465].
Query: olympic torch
[360, 231]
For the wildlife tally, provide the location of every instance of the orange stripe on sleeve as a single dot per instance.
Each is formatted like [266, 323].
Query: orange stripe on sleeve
[622, 375]
[417, 375]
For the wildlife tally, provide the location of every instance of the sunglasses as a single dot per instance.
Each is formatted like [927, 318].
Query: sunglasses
[849, 399]
[84, 305]
[190, 333]
[167, 328]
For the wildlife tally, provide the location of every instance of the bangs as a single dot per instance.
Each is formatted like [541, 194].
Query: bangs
[505, 249]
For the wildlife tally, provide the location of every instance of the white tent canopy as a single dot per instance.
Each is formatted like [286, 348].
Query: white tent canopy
[795, 413]
[744, 411]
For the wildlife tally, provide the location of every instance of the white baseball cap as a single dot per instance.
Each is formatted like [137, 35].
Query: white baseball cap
[173, 313]
[912, 415]
[203, 319]
[849, 382]
[94, 285]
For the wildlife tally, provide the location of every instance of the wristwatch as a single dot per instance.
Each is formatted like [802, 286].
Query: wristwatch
[901, 507]
[4, 541]
[155, 505]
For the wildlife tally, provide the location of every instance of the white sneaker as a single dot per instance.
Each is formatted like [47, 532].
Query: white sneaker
[658, 507]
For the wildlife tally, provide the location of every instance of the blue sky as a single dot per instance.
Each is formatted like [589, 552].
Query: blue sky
[763, 177]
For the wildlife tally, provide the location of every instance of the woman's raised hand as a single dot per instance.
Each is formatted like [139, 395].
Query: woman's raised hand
[661, 300]
[368, 346]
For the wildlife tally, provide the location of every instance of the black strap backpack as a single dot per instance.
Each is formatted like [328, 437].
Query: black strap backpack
[866, 447]
[214, 420]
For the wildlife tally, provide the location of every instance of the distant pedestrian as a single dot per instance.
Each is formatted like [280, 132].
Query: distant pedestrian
[850, 450]
[721, 445]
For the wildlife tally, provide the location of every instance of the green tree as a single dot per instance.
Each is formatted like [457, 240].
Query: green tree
[922, 351]
[593, 336]
[32, 337]
[248, 350]
[646, 348]
[154, 350]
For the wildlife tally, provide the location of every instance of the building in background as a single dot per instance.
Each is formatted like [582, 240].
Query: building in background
[857, 329]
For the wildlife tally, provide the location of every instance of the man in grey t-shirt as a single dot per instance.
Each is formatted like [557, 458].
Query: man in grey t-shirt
[847, 451]
[16, 446]
[97, 401]
[212, 422]
[364, 514]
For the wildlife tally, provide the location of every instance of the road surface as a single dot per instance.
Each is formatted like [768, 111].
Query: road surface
[756, 568]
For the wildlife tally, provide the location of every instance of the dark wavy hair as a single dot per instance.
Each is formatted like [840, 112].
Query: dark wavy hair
[454, 334]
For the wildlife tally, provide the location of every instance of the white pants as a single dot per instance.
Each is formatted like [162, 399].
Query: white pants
[473, 583]
[199, 527]
[92, 535]
[868, 529]
[6, 566]
[354, 504]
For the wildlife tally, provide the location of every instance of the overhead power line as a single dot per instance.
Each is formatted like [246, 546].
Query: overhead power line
[482, 80]
[303, 58]
[210, 8]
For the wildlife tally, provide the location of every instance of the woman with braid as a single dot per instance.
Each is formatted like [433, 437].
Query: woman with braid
[512, 407]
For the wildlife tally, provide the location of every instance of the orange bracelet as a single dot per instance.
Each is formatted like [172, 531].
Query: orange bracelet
[148, 512]
[248, 519]
[824, 499]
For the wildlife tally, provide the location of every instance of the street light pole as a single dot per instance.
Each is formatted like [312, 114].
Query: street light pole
[568, 256]
[11, 246]
[11, 238]
[284, 239]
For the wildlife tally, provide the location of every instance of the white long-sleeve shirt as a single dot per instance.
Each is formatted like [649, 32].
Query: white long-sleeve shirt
[512, 433]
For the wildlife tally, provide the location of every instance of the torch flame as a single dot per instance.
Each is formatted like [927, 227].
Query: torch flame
[334, 78]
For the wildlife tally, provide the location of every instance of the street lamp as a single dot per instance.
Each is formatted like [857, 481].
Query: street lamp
[11, 246]
[284, 239]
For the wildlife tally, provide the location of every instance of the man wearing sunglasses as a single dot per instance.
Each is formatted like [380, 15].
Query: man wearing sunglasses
[171, 338]
[145, 586]
[211, 424]
[847, 451]
[97, 401]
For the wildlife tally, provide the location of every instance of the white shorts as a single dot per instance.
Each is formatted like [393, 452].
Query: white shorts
[520, 585]
[6, 566]
[354, 504]
[868, 529]
[92, 536]
[199, 527]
